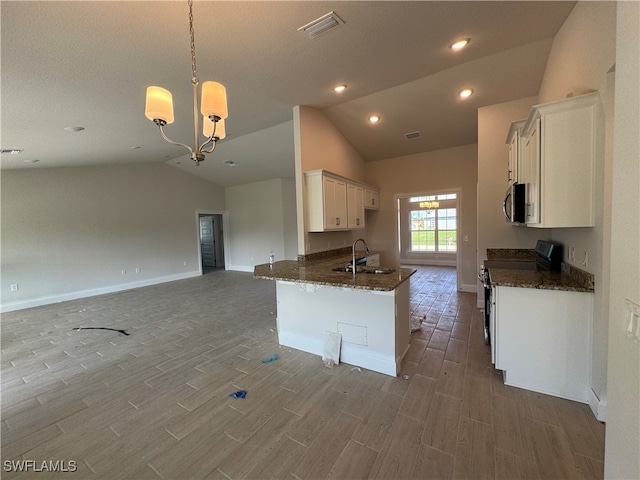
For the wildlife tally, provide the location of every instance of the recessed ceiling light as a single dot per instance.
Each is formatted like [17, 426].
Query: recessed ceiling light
[467, 92]
[339, 88]
[74, 129]
[230, 163]
[34, 160]
[374, 119]
[460, 44]
[135, 148]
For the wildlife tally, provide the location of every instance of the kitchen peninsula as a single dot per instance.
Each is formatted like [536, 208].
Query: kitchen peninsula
[369, 310]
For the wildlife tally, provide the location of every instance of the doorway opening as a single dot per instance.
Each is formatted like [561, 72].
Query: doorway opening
[211, 234]
[427, 229]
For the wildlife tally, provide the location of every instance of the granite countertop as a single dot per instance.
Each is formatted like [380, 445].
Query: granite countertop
[320, 272]
[538, 279]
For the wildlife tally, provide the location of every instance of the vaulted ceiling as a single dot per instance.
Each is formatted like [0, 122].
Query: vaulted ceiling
[88, 63]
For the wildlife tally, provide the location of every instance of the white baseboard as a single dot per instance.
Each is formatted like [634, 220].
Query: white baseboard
[241, 268]
[598, 407]
[427, 262]
[65, 297]
[470, 288]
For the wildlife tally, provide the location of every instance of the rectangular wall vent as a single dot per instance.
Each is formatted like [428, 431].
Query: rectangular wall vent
[411, 135]
[321, 25]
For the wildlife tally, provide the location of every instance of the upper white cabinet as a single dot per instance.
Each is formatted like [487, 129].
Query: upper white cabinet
[530, 172]
[558, 155]
[355, 206]
[514, 140]
[334, 202]
[371, 198]
[326, 202]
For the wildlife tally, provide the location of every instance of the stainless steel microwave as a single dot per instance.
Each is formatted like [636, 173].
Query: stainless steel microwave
[515, 203]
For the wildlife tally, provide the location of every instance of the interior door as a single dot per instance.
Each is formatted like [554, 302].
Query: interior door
[207, 243]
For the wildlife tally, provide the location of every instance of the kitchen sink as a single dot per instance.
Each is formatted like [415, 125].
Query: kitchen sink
[349, 269]
[363, 269]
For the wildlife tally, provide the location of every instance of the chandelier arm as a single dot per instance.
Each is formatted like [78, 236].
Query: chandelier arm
[209, 140]
[172, 142]
[213, 147]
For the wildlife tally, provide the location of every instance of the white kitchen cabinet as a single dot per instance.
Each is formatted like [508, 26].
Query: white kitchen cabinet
[355, 206]
[514, 140]
[334, 202]
[530, 174]
[373, 260]
[541, 340]
[371, 198]
[560, 146]
[326, 202]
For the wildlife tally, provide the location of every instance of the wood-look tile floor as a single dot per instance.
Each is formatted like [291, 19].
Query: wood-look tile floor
[155, 404]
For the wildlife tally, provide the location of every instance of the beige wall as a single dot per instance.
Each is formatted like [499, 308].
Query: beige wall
[443, 170]
[261, 219]
[319, 145]
[622, 447]
[493, 154]
[583, 52]
[69, 232]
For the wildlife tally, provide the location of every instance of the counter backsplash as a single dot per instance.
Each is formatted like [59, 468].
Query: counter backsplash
[511, 254]
[338, 252]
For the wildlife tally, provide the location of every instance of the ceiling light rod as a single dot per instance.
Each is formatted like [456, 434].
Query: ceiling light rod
[213, 106]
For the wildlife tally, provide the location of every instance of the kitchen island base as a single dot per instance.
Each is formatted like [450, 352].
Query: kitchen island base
[374, 325]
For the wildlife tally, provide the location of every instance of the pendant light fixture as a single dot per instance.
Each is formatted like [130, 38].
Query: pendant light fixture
[213, 107]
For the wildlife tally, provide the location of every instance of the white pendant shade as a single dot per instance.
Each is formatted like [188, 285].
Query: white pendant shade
[207, 128]
[214, 100]
[213, 106]
[159, 104]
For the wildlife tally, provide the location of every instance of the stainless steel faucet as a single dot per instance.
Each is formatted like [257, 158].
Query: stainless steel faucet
[353, 253]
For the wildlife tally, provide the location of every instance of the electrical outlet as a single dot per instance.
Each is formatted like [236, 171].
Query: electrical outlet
[123, 271]
[585, 259]
[185, 263]
[465, 238]
[14, 287]
[138, 269]
[632, 320]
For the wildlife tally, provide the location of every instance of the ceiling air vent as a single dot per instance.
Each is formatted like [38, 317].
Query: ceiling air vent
[321, 25]
[411, 135]
[11, 151]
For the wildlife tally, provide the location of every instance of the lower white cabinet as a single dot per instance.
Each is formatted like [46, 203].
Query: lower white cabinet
[373, 260]
[541, 340]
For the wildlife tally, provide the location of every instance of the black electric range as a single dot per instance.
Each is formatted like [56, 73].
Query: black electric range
[548, 257]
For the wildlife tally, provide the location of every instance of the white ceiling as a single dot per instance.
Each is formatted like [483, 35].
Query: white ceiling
[88, 63]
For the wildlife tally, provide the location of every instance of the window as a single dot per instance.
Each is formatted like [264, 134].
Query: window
[433, 223]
